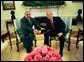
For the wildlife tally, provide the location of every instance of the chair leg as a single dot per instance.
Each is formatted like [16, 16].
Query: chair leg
[35, 40]
[69, 43]
[17, 43]
[69, 46]
[10, 39]
[77, 39]
[35, 43]
[17, 47]
[50, 42]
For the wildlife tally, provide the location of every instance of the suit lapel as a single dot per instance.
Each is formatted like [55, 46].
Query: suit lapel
[30, 22]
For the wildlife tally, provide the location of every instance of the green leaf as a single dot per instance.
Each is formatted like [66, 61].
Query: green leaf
[43, 3]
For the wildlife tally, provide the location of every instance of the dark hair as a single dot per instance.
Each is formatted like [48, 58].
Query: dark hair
[79, 11]
[12, 12]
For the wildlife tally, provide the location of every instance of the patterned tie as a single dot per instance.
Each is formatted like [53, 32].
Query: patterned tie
[28, 20]
[52, 24]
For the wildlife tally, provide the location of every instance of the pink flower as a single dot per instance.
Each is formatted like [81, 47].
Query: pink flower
[55, 54]
[34, 53]
[37, 49]
[49, 53]
[53, 59]
[45, 53]
[51, 49]
[38, 57]
[47, 57]
[45, 50]
[44, 59]
[28, 57]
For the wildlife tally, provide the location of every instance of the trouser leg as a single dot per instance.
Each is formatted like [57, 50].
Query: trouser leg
[28, 42]
[62, 40]
[46, 36]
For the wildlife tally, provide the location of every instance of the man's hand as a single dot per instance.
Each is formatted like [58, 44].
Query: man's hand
[35, 31]
[39, 32]
[60, 34]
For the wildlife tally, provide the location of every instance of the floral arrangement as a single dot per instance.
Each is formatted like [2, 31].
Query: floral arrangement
[44, 53]
[43, 3]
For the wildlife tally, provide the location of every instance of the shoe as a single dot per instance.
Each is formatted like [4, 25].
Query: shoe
[61, 54]
[29, 50]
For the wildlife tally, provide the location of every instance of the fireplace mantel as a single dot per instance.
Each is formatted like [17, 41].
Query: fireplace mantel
[41, 11]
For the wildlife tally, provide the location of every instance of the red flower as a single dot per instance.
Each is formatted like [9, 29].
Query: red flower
[44, 59]
[38, 57]
[45, 53]
[28, 57]
[44, 50]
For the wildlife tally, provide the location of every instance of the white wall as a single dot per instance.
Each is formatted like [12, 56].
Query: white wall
[69, 10]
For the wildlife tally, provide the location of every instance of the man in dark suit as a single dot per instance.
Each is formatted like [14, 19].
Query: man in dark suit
[27, 31]
[55, 27]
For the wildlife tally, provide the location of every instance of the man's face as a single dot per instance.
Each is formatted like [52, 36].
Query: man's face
[49, 15]
[27, 14]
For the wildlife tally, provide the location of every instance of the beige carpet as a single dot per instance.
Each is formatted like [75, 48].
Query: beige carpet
[19, 56]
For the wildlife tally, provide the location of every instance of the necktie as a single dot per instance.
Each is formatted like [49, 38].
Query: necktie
[52, 24]
[28, 20]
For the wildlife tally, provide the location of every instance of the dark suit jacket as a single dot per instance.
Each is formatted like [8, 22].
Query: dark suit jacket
[59, 25]
[26, 31]
[26, 26]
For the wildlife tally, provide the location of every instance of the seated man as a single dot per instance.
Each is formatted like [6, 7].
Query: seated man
[55, 27]
[27, 31]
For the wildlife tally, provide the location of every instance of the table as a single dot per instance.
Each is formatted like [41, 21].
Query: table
[4, 35]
